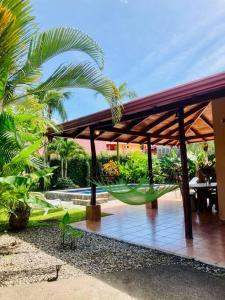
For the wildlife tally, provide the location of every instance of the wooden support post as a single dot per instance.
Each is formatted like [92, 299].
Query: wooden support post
[117, 151]
[93, 211]
[153, 204]
[185, 179]
[93, 166]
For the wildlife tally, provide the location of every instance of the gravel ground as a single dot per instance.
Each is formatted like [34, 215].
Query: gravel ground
[32, 255]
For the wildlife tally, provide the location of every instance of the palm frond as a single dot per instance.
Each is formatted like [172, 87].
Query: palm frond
[16, 25]
[48, 44]
[84, 75]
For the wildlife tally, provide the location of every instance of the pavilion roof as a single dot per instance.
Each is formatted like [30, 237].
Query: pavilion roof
[156, 115]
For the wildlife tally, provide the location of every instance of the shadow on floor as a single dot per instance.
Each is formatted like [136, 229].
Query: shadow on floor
[167, 282]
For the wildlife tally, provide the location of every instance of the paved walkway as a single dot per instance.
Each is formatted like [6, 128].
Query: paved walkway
[163, 229]
[160, 283]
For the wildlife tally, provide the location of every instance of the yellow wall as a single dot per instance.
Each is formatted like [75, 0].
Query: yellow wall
[218, 109]
[124, 148]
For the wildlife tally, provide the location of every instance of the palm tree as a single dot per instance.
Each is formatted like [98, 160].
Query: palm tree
[54, 101]
[66, 149]
[23, 51]
[124, 94]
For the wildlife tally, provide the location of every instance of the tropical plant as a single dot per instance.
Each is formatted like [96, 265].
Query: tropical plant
[111, 170]
[24, 50]
[67, 230]
[136, 167]
[16, 153]
[16, 198]
[170, 164]
[65, 183]
[54, 102]
[66, 149]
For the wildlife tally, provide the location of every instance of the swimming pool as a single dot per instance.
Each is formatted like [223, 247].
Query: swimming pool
[80, 196]
[86, 191]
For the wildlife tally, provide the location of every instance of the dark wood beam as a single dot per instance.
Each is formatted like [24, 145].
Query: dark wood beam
[196, 132]
[200, 136]
[159, 120]
[185, 178]
[149, 149]
[206, 120]
[187, 114]
[188, 123]
[153, 124]
[138, 133]
[93, 166]
[153, 204]
[171, 132]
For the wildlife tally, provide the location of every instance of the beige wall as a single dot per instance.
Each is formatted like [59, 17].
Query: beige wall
[218, 109]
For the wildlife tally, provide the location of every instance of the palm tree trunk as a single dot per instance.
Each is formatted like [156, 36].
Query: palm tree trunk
[62, 168]
[45, 152]
[66, 168]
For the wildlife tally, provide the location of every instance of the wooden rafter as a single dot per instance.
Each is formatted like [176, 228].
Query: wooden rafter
[206, 121]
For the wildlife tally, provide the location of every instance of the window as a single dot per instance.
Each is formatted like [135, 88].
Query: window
[111, 147]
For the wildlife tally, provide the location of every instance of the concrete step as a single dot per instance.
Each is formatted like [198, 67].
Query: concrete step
[87, 202]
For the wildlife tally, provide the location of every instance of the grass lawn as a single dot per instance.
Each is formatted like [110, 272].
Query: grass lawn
[38, 218]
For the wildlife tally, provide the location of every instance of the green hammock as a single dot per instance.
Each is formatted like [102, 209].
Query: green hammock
[139, 194]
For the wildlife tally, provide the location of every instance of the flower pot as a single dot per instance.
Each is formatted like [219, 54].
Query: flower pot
[18, 220]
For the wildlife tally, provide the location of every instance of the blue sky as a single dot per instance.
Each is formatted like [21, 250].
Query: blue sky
[151, 44]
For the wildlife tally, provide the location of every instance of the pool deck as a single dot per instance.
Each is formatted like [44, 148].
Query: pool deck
[163, 229]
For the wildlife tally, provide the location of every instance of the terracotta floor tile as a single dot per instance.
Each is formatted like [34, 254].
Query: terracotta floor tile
[164, 229]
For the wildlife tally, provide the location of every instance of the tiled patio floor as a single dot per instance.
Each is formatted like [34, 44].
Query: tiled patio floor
[163, 229]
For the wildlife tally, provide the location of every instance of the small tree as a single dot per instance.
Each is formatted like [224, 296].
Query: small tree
[65, 150]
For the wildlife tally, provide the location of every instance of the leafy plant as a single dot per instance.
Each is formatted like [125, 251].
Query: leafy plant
[136, 167]
[16, 198]
[65, 183]
[67, 230]
[111, 170]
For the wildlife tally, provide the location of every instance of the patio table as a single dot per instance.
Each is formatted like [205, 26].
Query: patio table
[203, 185]
[202, 190]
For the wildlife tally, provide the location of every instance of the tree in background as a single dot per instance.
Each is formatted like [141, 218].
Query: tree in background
[54, 103]
[65, 150]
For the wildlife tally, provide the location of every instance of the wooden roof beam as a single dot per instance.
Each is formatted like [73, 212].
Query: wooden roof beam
[206, 121]
[187, 123]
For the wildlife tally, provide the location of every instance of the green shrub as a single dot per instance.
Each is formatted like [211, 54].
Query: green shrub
[79, 171]
[65, 183]
[136, 167]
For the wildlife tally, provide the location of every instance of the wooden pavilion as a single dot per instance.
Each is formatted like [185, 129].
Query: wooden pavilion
[189, 113]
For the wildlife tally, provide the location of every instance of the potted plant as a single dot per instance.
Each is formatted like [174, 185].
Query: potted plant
[16, 198]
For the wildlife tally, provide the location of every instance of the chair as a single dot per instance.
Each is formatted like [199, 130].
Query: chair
[192, 195]
[55, 202]
[213, 200]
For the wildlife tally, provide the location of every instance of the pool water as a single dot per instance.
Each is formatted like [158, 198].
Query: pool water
[87, 191]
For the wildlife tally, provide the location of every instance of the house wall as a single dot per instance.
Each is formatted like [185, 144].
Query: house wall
[218, 110]
[124, 148]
